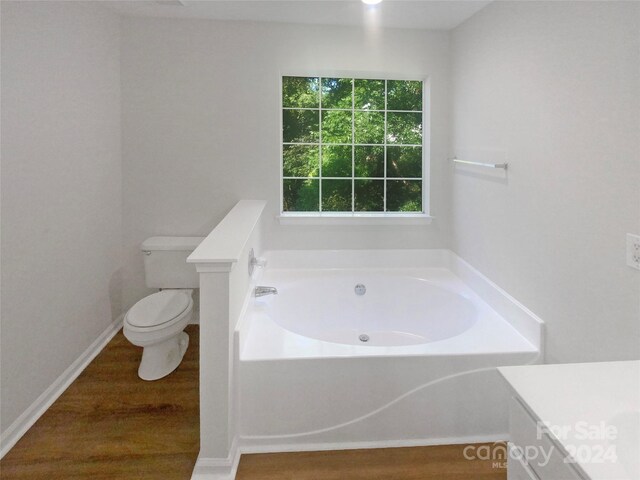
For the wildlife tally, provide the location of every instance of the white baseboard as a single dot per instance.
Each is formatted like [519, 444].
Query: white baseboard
[24, 422]
[225, 469]
[247, 447]
[218, 468]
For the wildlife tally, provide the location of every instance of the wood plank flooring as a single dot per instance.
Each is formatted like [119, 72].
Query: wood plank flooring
[109, 424]
[444, 462]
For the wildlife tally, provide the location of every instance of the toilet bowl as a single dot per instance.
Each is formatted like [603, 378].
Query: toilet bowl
[156, 323]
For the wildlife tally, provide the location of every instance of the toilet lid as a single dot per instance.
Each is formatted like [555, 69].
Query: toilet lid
[158, 308]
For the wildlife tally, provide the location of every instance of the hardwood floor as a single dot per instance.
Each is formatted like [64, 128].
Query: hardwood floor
[109, 424]
[444, 462]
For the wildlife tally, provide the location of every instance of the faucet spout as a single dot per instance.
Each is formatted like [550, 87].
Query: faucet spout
[261, 291]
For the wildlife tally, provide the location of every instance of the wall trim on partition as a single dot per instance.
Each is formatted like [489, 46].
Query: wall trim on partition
[216, 468]
[24, 422]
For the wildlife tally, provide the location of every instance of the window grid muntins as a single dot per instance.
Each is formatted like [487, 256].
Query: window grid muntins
[320, 144]
[367, 185]
[384, 198]
[353, 139]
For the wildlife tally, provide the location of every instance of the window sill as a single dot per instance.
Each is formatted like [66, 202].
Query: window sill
[353, 219]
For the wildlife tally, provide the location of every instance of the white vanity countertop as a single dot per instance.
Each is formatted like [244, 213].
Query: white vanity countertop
[586, 399]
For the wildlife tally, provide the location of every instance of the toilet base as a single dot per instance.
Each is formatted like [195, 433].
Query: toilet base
[160, 359]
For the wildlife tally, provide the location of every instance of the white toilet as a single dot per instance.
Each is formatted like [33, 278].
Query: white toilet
[156, 322]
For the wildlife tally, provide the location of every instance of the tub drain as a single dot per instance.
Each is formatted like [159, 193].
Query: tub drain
[360, 289]
[364, 337]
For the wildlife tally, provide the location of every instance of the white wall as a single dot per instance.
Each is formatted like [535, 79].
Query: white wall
[556, 85]
[61, 191]
[201, 125]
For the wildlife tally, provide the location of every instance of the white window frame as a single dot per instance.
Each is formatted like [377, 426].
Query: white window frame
[363, 218]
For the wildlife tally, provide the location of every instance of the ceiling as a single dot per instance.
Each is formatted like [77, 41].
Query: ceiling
[425, 14]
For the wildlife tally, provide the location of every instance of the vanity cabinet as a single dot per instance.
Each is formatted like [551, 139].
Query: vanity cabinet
[517, 468]
[592, 412]
[533, 454]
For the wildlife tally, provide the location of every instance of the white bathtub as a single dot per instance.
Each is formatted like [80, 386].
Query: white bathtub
[355, 307]
[409, 362]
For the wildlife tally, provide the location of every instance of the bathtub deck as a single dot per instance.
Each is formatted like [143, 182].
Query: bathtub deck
[110, 425]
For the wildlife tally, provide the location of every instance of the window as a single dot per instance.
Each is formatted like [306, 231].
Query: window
[352, 145]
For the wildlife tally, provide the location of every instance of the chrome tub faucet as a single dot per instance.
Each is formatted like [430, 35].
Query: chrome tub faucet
[261, 291]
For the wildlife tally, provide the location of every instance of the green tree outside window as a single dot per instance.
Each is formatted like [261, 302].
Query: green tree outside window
[352, 145]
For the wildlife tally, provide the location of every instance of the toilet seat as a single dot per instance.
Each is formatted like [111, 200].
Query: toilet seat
[158, 309]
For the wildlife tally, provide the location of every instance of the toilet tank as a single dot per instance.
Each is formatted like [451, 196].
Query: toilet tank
[165, 262]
